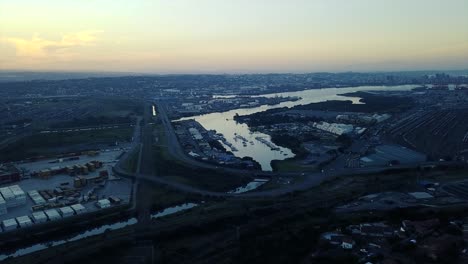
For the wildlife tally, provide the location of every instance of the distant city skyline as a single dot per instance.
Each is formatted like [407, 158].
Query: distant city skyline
[215, 36]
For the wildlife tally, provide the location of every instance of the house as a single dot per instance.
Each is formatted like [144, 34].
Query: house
[374, 230]
[420, 227]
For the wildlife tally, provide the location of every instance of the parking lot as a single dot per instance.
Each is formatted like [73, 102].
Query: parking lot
[458, 189]
[385, 154]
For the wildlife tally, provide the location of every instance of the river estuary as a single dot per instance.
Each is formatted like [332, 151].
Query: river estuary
[224, 123]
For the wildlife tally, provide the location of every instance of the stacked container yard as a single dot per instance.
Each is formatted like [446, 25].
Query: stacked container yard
[78, 208]
[3, 208]
[39, 217]
[36, 197]
[52, 214]
[24, 221]
[66, 211]
[9, 224]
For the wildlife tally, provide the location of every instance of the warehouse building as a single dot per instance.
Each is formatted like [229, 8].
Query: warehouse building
[334, 128]
[66, 211]
[3, 208]
[39, 217]
[52, 214]
[9, 224]
[195, 133]
[78, 208]
[9, 173]
[24, 221]
[103, 203]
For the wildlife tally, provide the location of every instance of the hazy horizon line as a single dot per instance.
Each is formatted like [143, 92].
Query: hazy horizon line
[229, 73]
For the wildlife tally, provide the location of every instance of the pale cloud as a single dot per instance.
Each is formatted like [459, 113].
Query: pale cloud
[38, 47]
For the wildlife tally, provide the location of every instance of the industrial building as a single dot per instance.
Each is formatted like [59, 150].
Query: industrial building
[78, 208]
[39, 217]
[334, 128]
[24, 221]
[421, 195]
[195, 133]
[9, 224]
[66, 211]
[3, 208]
[56, 189]
[9, 173]
[103, 203]
[52, 214]
[363, 118]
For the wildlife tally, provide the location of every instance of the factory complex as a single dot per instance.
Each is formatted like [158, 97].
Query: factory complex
[40, 191]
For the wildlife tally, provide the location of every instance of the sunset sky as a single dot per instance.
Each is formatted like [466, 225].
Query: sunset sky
[233, 36]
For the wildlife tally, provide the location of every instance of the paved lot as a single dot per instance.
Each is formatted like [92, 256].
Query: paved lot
[459, 189]
[107, 156]
[384, 154]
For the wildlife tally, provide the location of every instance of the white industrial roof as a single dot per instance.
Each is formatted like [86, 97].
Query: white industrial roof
[52, 213]
[421, 195]
[9, 222]
[7, 193]
[104, 201]
[39, 215]
[16, 188]
[66, 210]
[23, 219]
[78, 207]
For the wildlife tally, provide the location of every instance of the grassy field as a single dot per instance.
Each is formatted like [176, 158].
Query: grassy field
[115, 107]
[102, 111]
[198, 177]
[163, 197]
[291, 165]
[131, 164]
[55, 143]
[167, 166]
